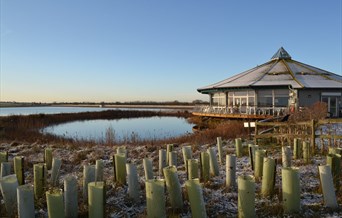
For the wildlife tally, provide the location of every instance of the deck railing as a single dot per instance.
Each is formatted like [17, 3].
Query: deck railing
[248, 110]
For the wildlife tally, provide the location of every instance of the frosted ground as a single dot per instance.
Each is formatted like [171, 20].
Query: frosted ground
[219, 201]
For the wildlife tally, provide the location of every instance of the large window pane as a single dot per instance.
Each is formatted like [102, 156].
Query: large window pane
[281, 101]
[265, 98]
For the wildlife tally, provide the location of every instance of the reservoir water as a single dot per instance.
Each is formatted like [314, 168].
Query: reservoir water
[7, 111]
[123, 130]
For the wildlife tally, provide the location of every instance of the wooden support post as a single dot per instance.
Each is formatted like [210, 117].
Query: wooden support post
[313, 137]
[219, 149]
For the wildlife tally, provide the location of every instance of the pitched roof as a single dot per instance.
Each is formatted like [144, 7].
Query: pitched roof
[281, 70]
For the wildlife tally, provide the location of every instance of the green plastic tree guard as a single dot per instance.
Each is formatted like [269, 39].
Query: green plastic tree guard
[18, 163]
[3, 156]
[297, 154]
[5, 169]
[219, 149]
[214, 168]
[169, 148]
[291, 189]
[99, 170]
[306, 152]
[155, 198]
[133, 182]
[259, 160]
[120, 165]
[88, 176]
[334, 161]
[25, 199]
[193, 166]
[327, 186]
[48, 158]
[40, 179]
[238, 147]
[56, 166]
[173, 187]
[9, 185]
[251, 152]
[205, 166]
[122, 150]
[172, 158]
[71, 196]
[230, 171]
[268, 178]
[195, 195]
[148, 168]
[187, 154]
[332, 150]
[286, 156]
[96, 200]
[55, 204]
[162, 161]
[246, 196]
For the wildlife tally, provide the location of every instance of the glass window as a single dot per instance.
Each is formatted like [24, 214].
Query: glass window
[219, 99]
[251, 101]
[265, 98]
[230, 101]
[281, 101]
[240, 93]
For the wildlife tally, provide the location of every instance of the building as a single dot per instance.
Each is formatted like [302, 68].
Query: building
[275, 88]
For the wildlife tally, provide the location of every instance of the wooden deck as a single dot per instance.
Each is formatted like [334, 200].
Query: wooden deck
[232, 116]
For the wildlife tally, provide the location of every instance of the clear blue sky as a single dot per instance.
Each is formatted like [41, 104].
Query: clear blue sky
[157, 50]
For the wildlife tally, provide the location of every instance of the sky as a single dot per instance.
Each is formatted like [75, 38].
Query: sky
[154, 50]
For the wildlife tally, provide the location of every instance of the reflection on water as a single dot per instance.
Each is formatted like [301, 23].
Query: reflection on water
[123, 130]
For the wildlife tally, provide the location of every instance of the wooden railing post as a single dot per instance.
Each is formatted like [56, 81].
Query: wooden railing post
[313, 136]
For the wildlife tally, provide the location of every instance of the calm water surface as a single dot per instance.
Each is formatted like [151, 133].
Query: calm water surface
[7, 111]
[123, 129]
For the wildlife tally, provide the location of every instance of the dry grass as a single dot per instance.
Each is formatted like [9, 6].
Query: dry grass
[317, 111]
